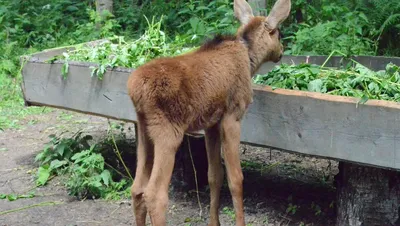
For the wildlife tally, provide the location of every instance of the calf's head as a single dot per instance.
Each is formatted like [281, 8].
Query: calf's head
[260, 33]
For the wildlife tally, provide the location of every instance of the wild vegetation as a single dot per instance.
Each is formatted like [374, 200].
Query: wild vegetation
[357, 27]
[82, 164]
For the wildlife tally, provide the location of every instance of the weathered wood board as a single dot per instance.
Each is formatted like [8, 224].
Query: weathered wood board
[44, 85]
[302, 122]
[327, 126]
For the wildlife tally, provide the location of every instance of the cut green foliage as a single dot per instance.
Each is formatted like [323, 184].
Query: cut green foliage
[115, 51]
[84, 167]
[358, 81]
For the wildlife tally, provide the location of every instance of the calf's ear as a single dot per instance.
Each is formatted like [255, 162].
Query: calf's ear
[279, 13]
[243, 11]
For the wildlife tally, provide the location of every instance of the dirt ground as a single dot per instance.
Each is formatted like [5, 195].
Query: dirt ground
[279, 188]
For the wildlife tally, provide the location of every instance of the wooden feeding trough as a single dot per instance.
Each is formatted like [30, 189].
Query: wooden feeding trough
[365, 138]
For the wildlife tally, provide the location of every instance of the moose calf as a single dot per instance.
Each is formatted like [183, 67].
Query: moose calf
[208, 89]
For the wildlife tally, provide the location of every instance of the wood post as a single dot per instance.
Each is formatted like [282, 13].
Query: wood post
[367, 196]
[184, 177]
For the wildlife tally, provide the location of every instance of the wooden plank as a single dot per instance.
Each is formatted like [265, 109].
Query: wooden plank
[44, 85]
[324, 125]
[302, 122]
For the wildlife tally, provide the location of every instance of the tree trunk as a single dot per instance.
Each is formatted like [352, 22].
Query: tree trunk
[184, 177]
[367, 196]
[102, 5]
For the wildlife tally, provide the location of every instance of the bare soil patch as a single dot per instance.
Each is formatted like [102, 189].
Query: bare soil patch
[279, 189]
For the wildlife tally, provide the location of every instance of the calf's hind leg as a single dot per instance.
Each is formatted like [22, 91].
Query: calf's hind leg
[230, 129]
[215, 172]
[145, 155]
[166, 144]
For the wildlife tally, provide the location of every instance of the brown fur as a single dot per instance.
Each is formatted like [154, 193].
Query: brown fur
[208, 89]
[216, 41]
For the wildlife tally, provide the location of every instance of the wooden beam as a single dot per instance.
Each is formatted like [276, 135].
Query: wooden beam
[325, 125]
[303, 122]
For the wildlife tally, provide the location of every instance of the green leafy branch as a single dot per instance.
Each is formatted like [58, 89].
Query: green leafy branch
[117, 52]
[358, 81]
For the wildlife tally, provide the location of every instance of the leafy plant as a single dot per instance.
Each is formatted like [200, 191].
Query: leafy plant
[38, 22]
[292, 209]
[230, 212]
[84, 167]
[348, 34]
[25, 24]
[12, 111]
[385, 18]
[359, 27]
[206, 18]
[316, 208]
[88, 177]
[56, 154]
[98, 27]
[358, 81]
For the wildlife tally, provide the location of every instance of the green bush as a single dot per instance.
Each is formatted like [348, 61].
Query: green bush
[323, 38]
[41, 22]
[83, 166]
[365, 27]
[193, 20]
[385, 17]
[332, 28]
